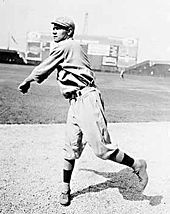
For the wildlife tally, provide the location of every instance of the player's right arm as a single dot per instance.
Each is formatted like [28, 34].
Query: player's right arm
[24, 86]
[43, 70]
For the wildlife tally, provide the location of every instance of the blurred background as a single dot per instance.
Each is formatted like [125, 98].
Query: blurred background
[115, 34]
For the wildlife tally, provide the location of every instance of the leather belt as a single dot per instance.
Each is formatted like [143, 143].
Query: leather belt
[78, 93]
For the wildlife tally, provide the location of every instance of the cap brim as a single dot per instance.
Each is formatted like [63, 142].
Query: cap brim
[59, 24]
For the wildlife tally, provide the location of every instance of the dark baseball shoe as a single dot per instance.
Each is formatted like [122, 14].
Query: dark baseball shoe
[65, 198]
[140, 170]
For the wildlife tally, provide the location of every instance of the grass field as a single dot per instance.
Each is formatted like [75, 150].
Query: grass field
[135, 99]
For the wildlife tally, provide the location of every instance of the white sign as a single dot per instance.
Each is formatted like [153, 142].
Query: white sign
[130, 42]
[33, 36]
[33, 51]
[98, 49]
[108, 60]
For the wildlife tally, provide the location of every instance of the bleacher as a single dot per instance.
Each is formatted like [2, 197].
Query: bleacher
[12, 57]
[151, 68]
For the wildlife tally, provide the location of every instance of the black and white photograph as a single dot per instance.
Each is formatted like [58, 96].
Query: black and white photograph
[84, 107]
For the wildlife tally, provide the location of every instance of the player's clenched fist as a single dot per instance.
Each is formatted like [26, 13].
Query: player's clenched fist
[24, 86]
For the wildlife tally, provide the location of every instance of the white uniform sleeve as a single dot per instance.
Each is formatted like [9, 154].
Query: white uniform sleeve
[44, 69]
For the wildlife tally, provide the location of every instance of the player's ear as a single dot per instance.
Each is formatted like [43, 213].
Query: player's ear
[70, 32]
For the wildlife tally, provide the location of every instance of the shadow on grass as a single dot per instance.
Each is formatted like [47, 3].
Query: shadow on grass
[126, 182]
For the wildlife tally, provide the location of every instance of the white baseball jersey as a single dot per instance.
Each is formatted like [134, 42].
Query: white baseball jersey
[71, 63]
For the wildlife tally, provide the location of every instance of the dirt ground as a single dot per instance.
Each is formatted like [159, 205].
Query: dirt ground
[31, 167]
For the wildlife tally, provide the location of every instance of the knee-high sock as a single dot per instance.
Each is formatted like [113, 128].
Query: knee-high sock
[122, 158]
[67, 172]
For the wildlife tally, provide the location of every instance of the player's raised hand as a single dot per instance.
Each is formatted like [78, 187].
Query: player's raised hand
[23, 87]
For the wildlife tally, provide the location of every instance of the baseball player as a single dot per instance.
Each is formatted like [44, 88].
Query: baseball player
[122, 73]
[86, 118]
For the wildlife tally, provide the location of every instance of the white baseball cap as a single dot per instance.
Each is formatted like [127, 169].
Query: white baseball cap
[65, 22]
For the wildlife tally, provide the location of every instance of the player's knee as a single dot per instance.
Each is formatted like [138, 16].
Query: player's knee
[72, 156]
[101, 155]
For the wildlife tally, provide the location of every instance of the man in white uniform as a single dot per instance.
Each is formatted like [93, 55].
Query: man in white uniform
[86, 117]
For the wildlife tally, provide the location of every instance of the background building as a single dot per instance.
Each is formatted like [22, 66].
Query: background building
[105, 53]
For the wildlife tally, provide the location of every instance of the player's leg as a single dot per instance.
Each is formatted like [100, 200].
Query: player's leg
[94, 127]
[139, 166]
[72, 149]
[65, 196]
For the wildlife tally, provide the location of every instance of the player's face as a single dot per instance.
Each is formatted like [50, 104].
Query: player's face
[59, 33]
